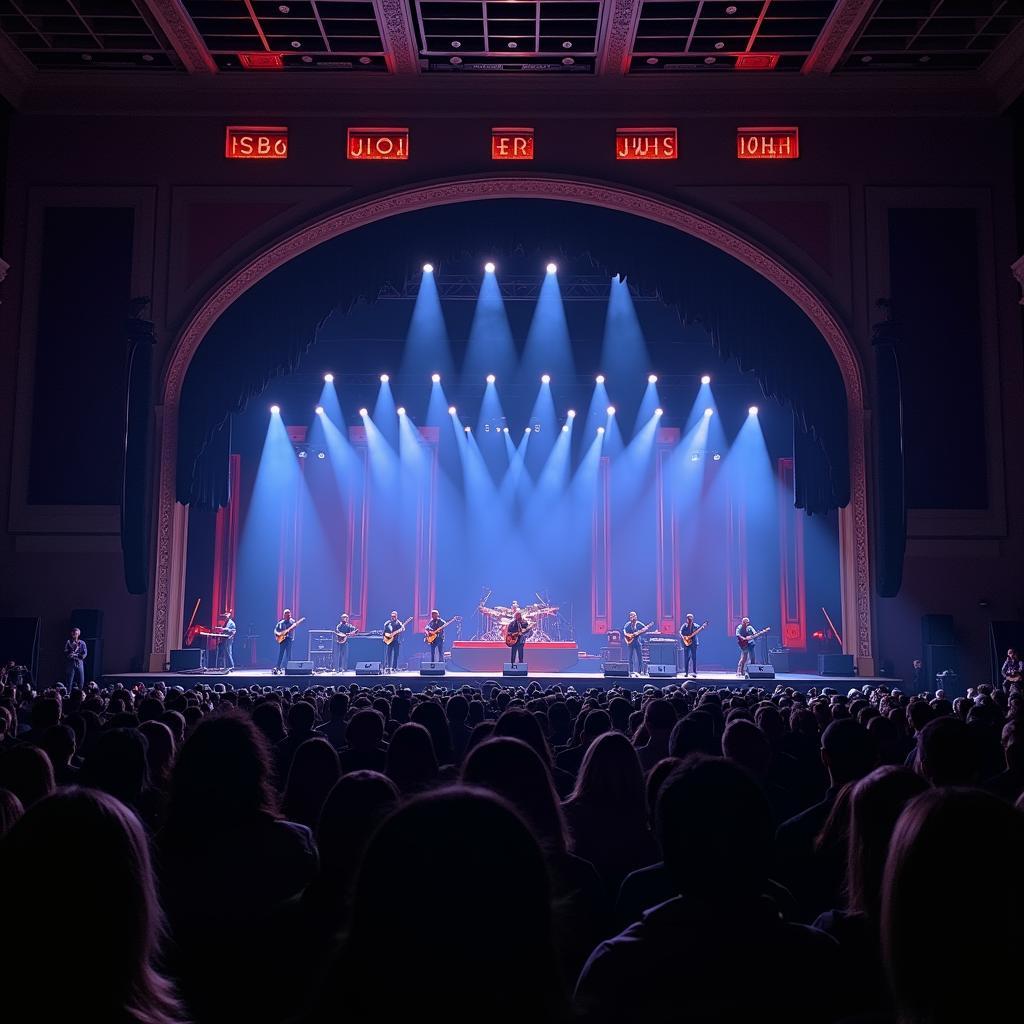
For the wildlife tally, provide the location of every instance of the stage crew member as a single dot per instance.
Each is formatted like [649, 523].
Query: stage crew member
[225, 646]
[392, 626]
[745, 630]
[1013, 670]
[75, 653]
[284, 648]
[689, 628]
[437, 644]
[344, 628]
[633, 648]
[517, 629]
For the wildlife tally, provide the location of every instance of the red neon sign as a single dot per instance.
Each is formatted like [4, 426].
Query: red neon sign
[767, 143]
[260, 61]
[378, 143]
[511, 143]
[756, 61]
[249, 143]
[646, 144]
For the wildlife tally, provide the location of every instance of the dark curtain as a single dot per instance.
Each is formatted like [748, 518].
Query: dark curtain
[135, 465]
[265, 333]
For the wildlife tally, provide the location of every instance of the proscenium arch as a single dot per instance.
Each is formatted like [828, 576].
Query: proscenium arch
[168, 572]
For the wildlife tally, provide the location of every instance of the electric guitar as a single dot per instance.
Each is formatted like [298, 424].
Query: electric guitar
[511, 639]
[389, 638]
[432, 634]
[630, 637]
[282, 636]
[747, 641]
[688, 640]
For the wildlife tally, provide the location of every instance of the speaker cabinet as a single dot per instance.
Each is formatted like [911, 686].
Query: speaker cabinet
[760, 671]
[431, 668]
[188, 659]
[368, 668]
[780, 660]
[518, 669]
[298, 668]
[615, 669]
[937, 630]
[662, 670]
[835, 665]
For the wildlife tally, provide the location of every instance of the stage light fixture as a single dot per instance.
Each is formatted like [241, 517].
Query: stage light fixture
[600, 430]
[489, 267]
[319, 410]
[303, 454]
[384, 378]
[571, 414]
[506, 430]
[275, 410]
[552, 268]
[652, 378]
[717, 457]
[362, 412]
[709, 411]
[705, 379]
[321, 455]
[528, 430]
[428, 268]
[436, 378]
[546, 379]
[659, 411]
[695, 457]
[465, 430]
[600, 378]
[752, 410]
[328, 378]
[611, 410]
[565, 428]
[490, 378]
[400, 410]
[451, 410]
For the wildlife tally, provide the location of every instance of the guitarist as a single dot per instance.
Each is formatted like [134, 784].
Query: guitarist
[634, 628]
[344, 628]
[689, 628]
[517, 629]
[391, 649]
[284, 649]
[743, 631]
[437, 644]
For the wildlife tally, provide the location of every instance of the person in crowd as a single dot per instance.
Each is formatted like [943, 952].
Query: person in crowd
[333, 730]
[301, 727]
[520, 724]
[118, 764]
[27, 772]
[947, 752]
[160, 749]
[411, 763]
[595, 723]
[659, 720]
[431, 716]
[315, 770]
[10, 811]
[1009, 784]
[365, 749]
[59, 743]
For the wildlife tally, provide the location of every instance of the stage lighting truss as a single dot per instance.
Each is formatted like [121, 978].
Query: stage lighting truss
[516, 288]
[499, 425]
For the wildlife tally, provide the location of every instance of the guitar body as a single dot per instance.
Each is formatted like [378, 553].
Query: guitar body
[630, 637]
[389, 638]
[688, 640]
[281, 637]
[511, 639]
[748, 641]
[430, 635]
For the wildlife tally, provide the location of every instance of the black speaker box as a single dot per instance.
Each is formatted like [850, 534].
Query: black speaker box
[518, 669]
[835, 665]
[368, 668]
[94, 659]
[759, 671]
[937, 630]
[661, 670]
[298, 668]
[780, 661]
[615, 668]
[431, 668]
[88, 620]
[188, 659]
[662, 650]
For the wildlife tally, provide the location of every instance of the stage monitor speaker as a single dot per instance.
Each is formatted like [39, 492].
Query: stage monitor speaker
[937, 630]
[431, 668]
[298, 668]
[758, 671]
[780, 661]
[616, 669]
[835, 665]
[88, 620]
[19, 642]
[94, 659]
[662, 650]
[188, 659]
[654, 669]
[367, 668]
[518, 669]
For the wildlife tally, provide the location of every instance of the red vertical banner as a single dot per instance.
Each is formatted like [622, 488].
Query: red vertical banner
[792, 579]
[225, 545]
[668, 595]
[425, 573]
[601, 553]
[736, 583]
[357, 577]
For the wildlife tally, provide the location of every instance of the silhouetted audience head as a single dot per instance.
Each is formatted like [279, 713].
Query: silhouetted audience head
[744, 743]
[610, 776]
[430, 715]
[160, 749]
[365, 730]
[522, 725]
[846, 751]
[314, 770]
[947, 753]
[411, 763]
[27, 772]
[694, 734]
[10, 810]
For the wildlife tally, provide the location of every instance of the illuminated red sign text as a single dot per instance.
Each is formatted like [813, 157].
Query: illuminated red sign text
[247, 143]
[767, 143]
[378, 143]
[646, 144]
[511, 143]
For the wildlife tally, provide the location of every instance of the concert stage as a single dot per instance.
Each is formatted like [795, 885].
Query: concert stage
[581, 678]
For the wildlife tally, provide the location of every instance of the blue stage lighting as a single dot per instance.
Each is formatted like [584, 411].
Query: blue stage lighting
[328, 378]
[552, 268]
[546, 379]
[451, 410]
[275, 410]
[428, 268]
[362, 412]
[321, 455]
[659, 411]
[709, 411]
[652, 378]
[489, 267]
[611, 410]
[490, 378]
[565, 428]
[528, 430]
[600, 378]
[436, 378]
[705, 379]
[717, 457]
[571, 414]
[600, 430]
[400, 410]
[466, 430]
[319, 410]
[752, 410]
[384, 378]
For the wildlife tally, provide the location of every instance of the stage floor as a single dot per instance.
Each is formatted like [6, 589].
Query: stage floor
[582, 680]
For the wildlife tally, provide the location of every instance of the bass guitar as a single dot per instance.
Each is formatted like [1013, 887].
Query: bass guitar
[511, 639]
[747, 641]
[389, 638]
[630, 637]
[432, 634]
[283, 635]
[688, 640]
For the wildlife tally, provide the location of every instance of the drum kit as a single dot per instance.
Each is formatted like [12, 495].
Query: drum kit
[497, 617]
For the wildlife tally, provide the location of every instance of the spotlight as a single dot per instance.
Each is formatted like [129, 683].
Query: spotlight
[506, 430]
[466, 430]
[565, 428]
[546, 379]
[490, 378]
[600, 430]
[600, 378]
[528, 430]
[436, 378]
[321, 455]
[428, 268]
[659, 411]
[709, 411]
[717, 457]
[611, 410]
[652, 378]
[384, 378]
[451, 410]
[400, 410]
[705, 379]
[319, 410]
[328, 378]
[571, 414]
[362, 412]
[303, 454]
[275, 410]
[489, 267]
[752, 410]
[695, 457]
[552, 268]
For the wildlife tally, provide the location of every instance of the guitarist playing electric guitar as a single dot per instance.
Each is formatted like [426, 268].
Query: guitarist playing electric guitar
[284, 634]
[688, 634]
[515, 636]
[632, 631]
[342, 631]
[392, 633]
[745, 637]
[434, 635]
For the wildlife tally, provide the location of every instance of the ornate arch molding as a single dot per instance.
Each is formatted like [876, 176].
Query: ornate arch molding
[167, 591]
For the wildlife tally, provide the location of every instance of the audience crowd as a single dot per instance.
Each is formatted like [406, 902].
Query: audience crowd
[509, 853]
